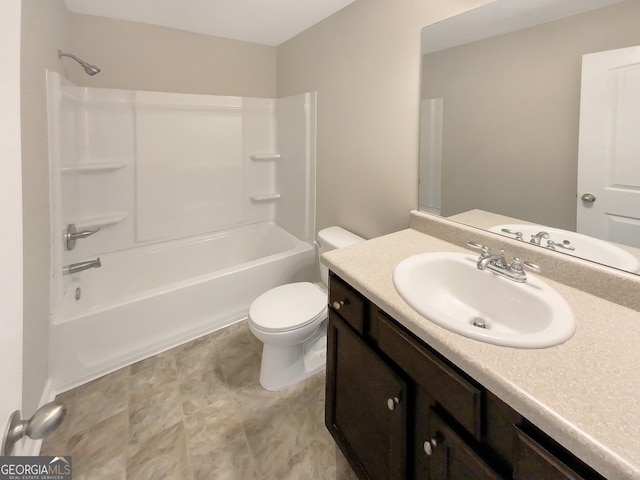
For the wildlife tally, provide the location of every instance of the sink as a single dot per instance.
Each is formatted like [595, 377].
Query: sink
[449, 290]
[586, 247]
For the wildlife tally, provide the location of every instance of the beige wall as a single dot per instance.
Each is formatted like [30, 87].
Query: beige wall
[364, 61]
[136, 56]
[44, 30]
[511, 114]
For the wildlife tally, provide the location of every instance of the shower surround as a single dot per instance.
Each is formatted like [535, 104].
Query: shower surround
[201, 203]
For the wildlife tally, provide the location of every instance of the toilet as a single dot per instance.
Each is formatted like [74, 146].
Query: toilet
[291, 322]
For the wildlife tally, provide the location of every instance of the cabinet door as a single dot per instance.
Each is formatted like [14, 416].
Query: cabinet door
[365, 406]
[451, 457]
[534, 461]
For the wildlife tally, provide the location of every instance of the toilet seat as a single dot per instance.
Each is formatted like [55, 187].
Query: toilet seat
[288, 307]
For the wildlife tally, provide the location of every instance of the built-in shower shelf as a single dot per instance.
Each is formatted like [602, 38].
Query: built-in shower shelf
[264, 197]
[264, 157]
[98, 221]
[93, 167]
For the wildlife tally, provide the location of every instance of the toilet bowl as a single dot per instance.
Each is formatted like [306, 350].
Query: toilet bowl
[291, 322]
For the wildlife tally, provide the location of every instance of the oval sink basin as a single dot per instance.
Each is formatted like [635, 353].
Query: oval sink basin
[449, 290]
[585, 246]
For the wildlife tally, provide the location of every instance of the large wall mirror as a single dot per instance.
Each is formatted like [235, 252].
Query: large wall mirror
[508, 142]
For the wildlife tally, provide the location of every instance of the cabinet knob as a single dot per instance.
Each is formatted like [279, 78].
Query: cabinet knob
[392, 402]
[429, 445]
[338, 304]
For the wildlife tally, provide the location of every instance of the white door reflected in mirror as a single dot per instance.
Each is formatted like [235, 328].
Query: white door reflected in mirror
[608, 159]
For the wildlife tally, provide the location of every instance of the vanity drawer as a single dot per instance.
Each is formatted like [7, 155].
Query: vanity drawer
[349, 304]
[459, 397]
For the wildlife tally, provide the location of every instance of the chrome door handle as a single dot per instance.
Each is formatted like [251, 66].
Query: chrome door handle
[588, 197]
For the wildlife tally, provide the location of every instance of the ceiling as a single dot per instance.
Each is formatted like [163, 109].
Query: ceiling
[265, 22]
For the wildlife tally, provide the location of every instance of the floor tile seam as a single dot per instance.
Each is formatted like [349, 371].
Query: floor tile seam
[234, 415]
[237, 365]
[121, 452]
[226, 380]
[307, 442]
[138, 446]
[237, 398]
[136, 449]
[299, 447]
[84, 431]
[252, 457]
[185, 397]
[183, 350]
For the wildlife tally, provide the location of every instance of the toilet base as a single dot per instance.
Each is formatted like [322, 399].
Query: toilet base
[286, 365]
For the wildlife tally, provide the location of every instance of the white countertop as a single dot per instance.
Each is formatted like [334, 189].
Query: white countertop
[584, 393]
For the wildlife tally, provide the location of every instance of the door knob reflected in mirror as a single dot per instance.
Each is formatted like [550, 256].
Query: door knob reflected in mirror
[588, 197]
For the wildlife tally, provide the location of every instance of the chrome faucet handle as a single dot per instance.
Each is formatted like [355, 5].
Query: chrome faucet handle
[484, 250]
[518, 265]
[566, 244]
[519, 235]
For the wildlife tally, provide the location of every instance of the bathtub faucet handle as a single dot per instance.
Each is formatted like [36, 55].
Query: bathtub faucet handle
[72, 235]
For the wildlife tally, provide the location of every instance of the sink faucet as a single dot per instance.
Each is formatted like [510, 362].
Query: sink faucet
[498, 264]
[537, 238]
[79, 267]
[496, 260]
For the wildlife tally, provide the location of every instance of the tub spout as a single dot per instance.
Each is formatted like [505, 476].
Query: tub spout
[79, 267]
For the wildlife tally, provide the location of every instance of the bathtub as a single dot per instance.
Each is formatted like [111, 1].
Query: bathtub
[148, 299]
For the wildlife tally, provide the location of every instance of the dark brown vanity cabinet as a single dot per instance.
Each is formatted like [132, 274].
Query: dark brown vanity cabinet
[368, 412]
[399, 410]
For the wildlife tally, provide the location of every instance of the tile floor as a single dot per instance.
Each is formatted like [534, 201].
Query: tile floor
[197, 412]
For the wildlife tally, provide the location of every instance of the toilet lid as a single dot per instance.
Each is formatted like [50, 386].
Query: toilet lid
[288, 307]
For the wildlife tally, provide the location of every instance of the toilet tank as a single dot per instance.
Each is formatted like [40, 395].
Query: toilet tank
[331, 238]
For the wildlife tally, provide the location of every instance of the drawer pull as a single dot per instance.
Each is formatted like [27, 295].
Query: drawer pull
[392, 402]
[338, 304]
[429, 445]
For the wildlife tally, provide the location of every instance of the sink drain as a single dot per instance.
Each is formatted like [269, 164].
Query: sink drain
[478, 322]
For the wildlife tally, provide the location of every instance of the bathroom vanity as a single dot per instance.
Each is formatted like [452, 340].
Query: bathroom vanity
[409, 399]
[398, 409]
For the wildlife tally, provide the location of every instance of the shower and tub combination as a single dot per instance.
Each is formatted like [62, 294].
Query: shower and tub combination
[170, 214]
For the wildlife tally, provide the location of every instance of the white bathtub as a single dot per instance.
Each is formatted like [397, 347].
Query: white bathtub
[145, 300]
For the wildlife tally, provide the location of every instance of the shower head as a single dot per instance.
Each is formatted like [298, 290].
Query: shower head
[88, 68]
